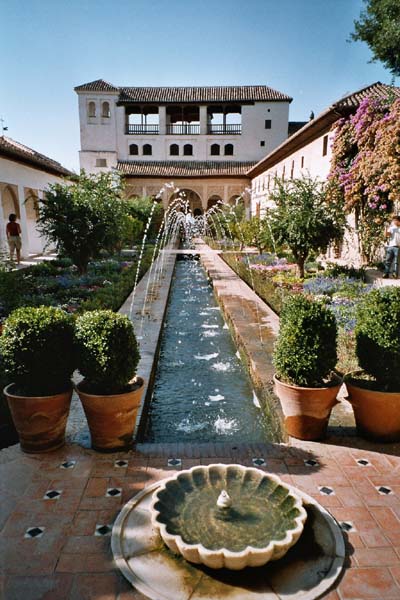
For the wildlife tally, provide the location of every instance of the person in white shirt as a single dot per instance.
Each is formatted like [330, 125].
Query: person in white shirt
[392, 234]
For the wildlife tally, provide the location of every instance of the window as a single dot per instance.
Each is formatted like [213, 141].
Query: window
[174, 150]
[302, 162]
[105, 110]
[101, 162]
[228, 150]
[268, 123]
[188, 150]
[134, 149]
[325, 145]
[147, 150]
[214, 149]
[91, 109]
[262, 143]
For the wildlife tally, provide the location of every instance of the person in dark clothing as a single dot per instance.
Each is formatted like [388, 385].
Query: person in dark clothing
[13, 231]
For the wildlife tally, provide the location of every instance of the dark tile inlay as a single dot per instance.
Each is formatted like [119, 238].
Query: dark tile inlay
[113, 492]
[347, 526]
[103, 530]
[52, 494]
[68, 464]
[259, 462]
[34, 532]
[363, 462]
[310, 462]
[326, 491]
[384, 490]
[174, 462]
[120, 464]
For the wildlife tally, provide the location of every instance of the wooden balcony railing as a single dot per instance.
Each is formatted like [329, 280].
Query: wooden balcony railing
[142, 129]
[183, 129]
[231, 129]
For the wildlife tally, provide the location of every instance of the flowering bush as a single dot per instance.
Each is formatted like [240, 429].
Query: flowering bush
[365, 168]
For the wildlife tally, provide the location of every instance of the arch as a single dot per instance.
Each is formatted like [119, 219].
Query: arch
[147, 150]
[228, 149]
[134, 149]
[91, 109]
[188, 150]
[215, 150]
[35, 242]
[10, 202]
[174, 150]
[105, 110]
[235, 199]
[190, 196]
[213, 200]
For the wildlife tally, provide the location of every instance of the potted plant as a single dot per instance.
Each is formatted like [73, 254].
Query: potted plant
[304, 357]
[37, 350]
[108, 356]
[374, 392]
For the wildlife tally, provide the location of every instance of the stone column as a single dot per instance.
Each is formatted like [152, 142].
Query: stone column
[203, 120]
[23, 222]
[162, 116]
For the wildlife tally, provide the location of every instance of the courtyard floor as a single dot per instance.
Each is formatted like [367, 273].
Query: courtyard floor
[57, 511]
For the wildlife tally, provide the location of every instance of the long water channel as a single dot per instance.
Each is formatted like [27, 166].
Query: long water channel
[202, 391]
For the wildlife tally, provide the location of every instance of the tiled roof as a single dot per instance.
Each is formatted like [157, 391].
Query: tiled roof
[14, 150]
[232, 93]
[241, 93]
[170, 168]
[96, 86]
[321, 124]
[377, 90]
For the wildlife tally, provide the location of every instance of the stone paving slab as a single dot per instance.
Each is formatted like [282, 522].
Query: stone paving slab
[70, 557]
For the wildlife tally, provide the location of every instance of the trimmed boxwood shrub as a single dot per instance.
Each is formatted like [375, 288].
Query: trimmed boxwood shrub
[378, 337]
[37, 349]
[107, 351]
[305, 352]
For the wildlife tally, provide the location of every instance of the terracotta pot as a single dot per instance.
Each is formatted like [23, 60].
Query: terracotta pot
[39, 420]
[112, 418]
[377, 414]
[307, 410]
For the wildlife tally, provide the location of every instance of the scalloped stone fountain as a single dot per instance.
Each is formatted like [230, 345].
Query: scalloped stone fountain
[227, 532]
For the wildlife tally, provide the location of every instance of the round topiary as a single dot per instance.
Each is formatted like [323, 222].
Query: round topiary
[107, 350]
[305, 351]
[37, 348]
[378, 337]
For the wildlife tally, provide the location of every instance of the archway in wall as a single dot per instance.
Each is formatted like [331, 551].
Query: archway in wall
[36, 243]
[192, 198]
[213, 200]
[235, 199]
[10, 202]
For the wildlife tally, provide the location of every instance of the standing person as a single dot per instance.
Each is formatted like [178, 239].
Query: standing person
[392, 234]
[13, 231]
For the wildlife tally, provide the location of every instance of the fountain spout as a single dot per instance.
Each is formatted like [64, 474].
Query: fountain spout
[224, 500]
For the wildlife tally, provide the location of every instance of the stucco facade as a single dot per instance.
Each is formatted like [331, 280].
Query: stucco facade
[24, 177]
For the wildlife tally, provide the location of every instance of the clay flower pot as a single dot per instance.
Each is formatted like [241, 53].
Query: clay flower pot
[377, 413]
[39, 420]
[307, 410]
[112, 418]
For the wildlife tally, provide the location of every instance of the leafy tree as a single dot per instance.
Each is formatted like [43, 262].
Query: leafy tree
[379, 27]
[302, 219]
[256, 232]
[84, 218]
[141, 209]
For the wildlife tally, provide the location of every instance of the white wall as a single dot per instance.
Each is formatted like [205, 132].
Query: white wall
[23, 178]
[106, 138]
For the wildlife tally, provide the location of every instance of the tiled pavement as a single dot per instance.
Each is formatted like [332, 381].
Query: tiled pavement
[57, 510]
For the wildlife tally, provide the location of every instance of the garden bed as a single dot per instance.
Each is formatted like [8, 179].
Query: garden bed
[340, 288]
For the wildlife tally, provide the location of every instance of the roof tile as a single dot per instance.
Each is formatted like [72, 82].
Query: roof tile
[193, 168]
[11, 148]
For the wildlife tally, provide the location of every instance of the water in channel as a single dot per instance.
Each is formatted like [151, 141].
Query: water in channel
[201, 392]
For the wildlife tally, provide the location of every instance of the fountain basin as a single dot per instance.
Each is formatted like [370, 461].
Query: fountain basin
[264, 519]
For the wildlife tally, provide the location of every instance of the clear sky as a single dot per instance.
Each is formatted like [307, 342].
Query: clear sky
[49, 46]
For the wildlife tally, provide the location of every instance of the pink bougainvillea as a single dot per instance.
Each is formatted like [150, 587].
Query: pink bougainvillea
[365, 167]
